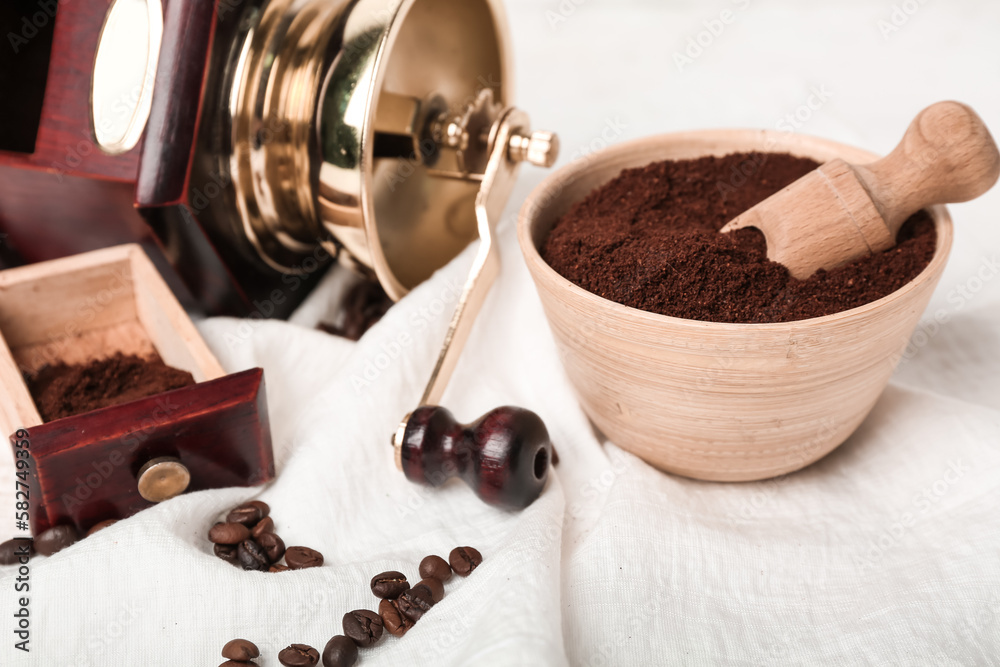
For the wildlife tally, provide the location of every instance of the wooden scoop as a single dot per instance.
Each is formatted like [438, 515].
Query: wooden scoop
[842, 212]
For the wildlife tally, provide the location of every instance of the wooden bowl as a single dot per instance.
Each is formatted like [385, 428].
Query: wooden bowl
[723, 402]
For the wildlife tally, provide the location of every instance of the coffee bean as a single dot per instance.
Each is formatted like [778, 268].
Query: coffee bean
[363, 627]
[298, 655]
[300, 558]
[412, 605]
[265, 509]
[55, 539]
[240, 649]
[252, 556]
[248, 515]
[433, 586]
[464, 560]
[435, 566]
[395, 623]
[227, 552]
[265, 525]
[228, 533]
[101, 526]
[278, 568]
[389, 585]
[340, 651]
[273, 545]
[12, 551]
[423, 592]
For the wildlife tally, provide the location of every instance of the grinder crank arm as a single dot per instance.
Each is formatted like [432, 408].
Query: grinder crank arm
[504, 456]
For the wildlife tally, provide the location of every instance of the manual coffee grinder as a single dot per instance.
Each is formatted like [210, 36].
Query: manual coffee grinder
[259, 138]
[417, 150]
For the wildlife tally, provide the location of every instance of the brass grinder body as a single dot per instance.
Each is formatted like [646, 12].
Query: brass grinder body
[279, 135]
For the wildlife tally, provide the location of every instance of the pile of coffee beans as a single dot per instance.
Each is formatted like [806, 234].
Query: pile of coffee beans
[247, 539]
[51, 541]
[400, 608]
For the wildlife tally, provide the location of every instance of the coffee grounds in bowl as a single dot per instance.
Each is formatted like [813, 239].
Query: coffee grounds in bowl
[649, 239]
[62, 390]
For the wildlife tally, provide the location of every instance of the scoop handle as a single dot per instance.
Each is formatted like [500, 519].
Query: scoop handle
[946, 156]
[504, 456]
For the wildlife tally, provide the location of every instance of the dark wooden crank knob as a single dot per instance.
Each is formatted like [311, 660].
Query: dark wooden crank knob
[504, 456]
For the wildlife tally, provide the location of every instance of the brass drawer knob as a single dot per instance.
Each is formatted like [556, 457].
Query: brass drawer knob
[163, 478]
